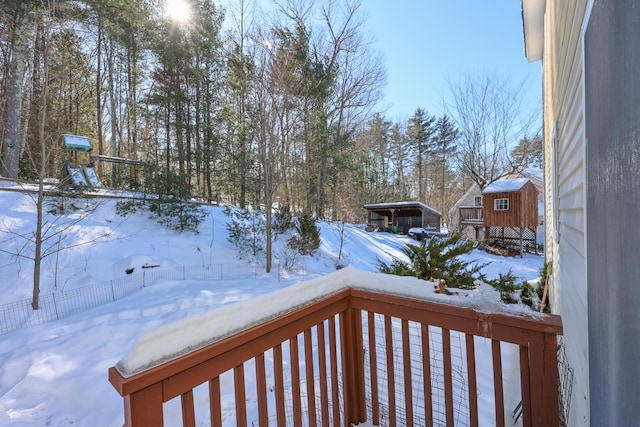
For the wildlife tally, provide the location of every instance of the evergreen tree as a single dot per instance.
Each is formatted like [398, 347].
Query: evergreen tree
[444, 149]
[307, 240]
[374, 145]
[420, 131]
[528, 153]
[399, 147]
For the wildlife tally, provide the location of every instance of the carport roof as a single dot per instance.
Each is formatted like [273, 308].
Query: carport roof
[401, 206]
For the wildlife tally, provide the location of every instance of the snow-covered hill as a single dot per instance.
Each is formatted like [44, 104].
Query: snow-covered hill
[56, 373]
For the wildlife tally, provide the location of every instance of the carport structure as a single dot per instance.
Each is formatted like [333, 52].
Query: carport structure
[399, 217]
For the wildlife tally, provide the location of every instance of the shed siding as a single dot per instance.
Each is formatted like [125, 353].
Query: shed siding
[523, 208]
[508, 218]
[563, 67]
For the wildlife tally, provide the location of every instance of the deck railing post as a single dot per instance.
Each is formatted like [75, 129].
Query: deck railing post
[543, 377]
[550, 380]
[143, 408]
[353, 359]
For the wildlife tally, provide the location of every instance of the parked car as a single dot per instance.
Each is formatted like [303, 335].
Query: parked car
[421, 233]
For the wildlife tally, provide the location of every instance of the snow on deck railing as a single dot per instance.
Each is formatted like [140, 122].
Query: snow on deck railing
[374, 347]
[185, 335]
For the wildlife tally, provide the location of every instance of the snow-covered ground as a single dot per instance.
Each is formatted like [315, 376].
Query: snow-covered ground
[56, 373]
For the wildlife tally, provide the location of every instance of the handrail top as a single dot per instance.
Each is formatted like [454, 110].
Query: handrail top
[180, 337]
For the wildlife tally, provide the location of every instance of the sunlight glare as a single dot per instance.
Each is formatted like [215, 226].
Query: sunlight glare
[178, 10]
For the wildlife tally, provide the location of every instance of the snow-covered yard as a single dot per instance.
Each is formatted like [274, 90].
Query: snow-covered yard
[56, 373]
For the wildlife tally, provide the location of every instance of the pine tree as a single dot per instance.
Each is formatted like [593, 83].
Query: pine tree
[421, 131]
[528, 153]
[444, 149]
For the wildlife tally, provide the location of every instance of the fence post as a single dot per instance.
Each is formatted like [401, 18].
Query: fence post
[55, 306]
[144, 273]
[184, 272]
[113, 293]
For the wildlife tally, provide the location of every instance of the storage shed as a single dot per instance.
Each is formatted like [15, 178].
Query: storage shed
[399, 217]
[511, 214]
[511, 203]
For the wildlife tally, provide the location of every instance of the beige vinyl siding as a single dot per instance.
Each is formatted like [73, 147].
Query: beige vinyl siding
[467, 199]
[563, 77]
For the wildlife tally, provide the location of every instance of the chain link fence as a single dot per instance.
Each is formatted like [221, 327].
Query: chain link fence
[66, 303]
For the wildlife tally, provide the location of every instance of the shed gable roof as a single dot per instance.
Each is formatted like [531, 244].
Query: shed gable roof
[506, 186]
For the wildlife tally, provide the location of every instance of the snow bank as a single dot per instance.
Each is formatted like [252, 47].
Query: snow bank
[178, 338]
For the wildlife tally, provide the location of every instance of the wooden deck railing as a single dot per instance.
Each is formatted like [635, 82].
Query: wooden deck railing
[360, 356]
[471, 215]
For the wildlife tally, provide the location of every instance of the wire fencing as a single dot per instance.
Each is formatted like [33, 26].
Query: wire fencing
[58, 305]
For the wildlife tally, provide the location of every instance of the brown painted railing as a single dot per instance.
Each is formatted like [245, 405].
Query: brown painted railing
[361, 356]
[471, 215]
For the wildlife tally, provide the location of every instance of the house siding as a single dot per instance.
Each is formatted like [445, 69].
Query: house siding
[564, 116]
[467, 199]
[612, 110]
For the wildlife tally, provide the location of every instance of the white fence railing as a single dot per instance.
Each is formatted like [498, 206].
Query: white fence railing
[66, 303]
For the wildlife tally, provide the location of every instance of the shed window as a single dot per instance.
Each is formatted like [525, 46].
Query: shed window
[501, 204]
[477, 201]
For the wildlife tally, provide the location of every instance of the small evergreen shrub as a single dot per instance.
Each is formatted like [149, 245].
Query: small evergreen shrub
[438, 259]
[169, 206]
[282, 220]
[529, 296]
[60, 205]
[307, 239]
[506, 285]
[533, 296]
[180, 216]
[27, 169]
[247, 230]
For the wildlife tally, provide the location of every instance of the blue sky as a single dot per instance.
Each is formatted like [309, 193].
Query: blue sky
[426, 43]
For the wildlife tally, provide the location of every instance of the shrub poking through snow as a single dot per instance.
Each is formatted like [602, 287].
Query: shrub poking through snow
[169, 204]
[506, 285]
[173, 213]
[533, 296]
[307, 239]
[282, 219]
[438, 259]
[247, 230]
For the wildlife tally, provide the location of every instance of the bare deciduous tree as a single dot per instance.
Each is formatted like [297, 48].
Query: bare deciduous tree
[490, 114]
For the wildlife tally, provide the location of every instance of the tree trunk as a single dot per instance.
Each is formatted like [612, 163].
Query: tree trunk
[11, 146]
[99, 94]
[132, 109]
[37, 258]
[112, 100]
